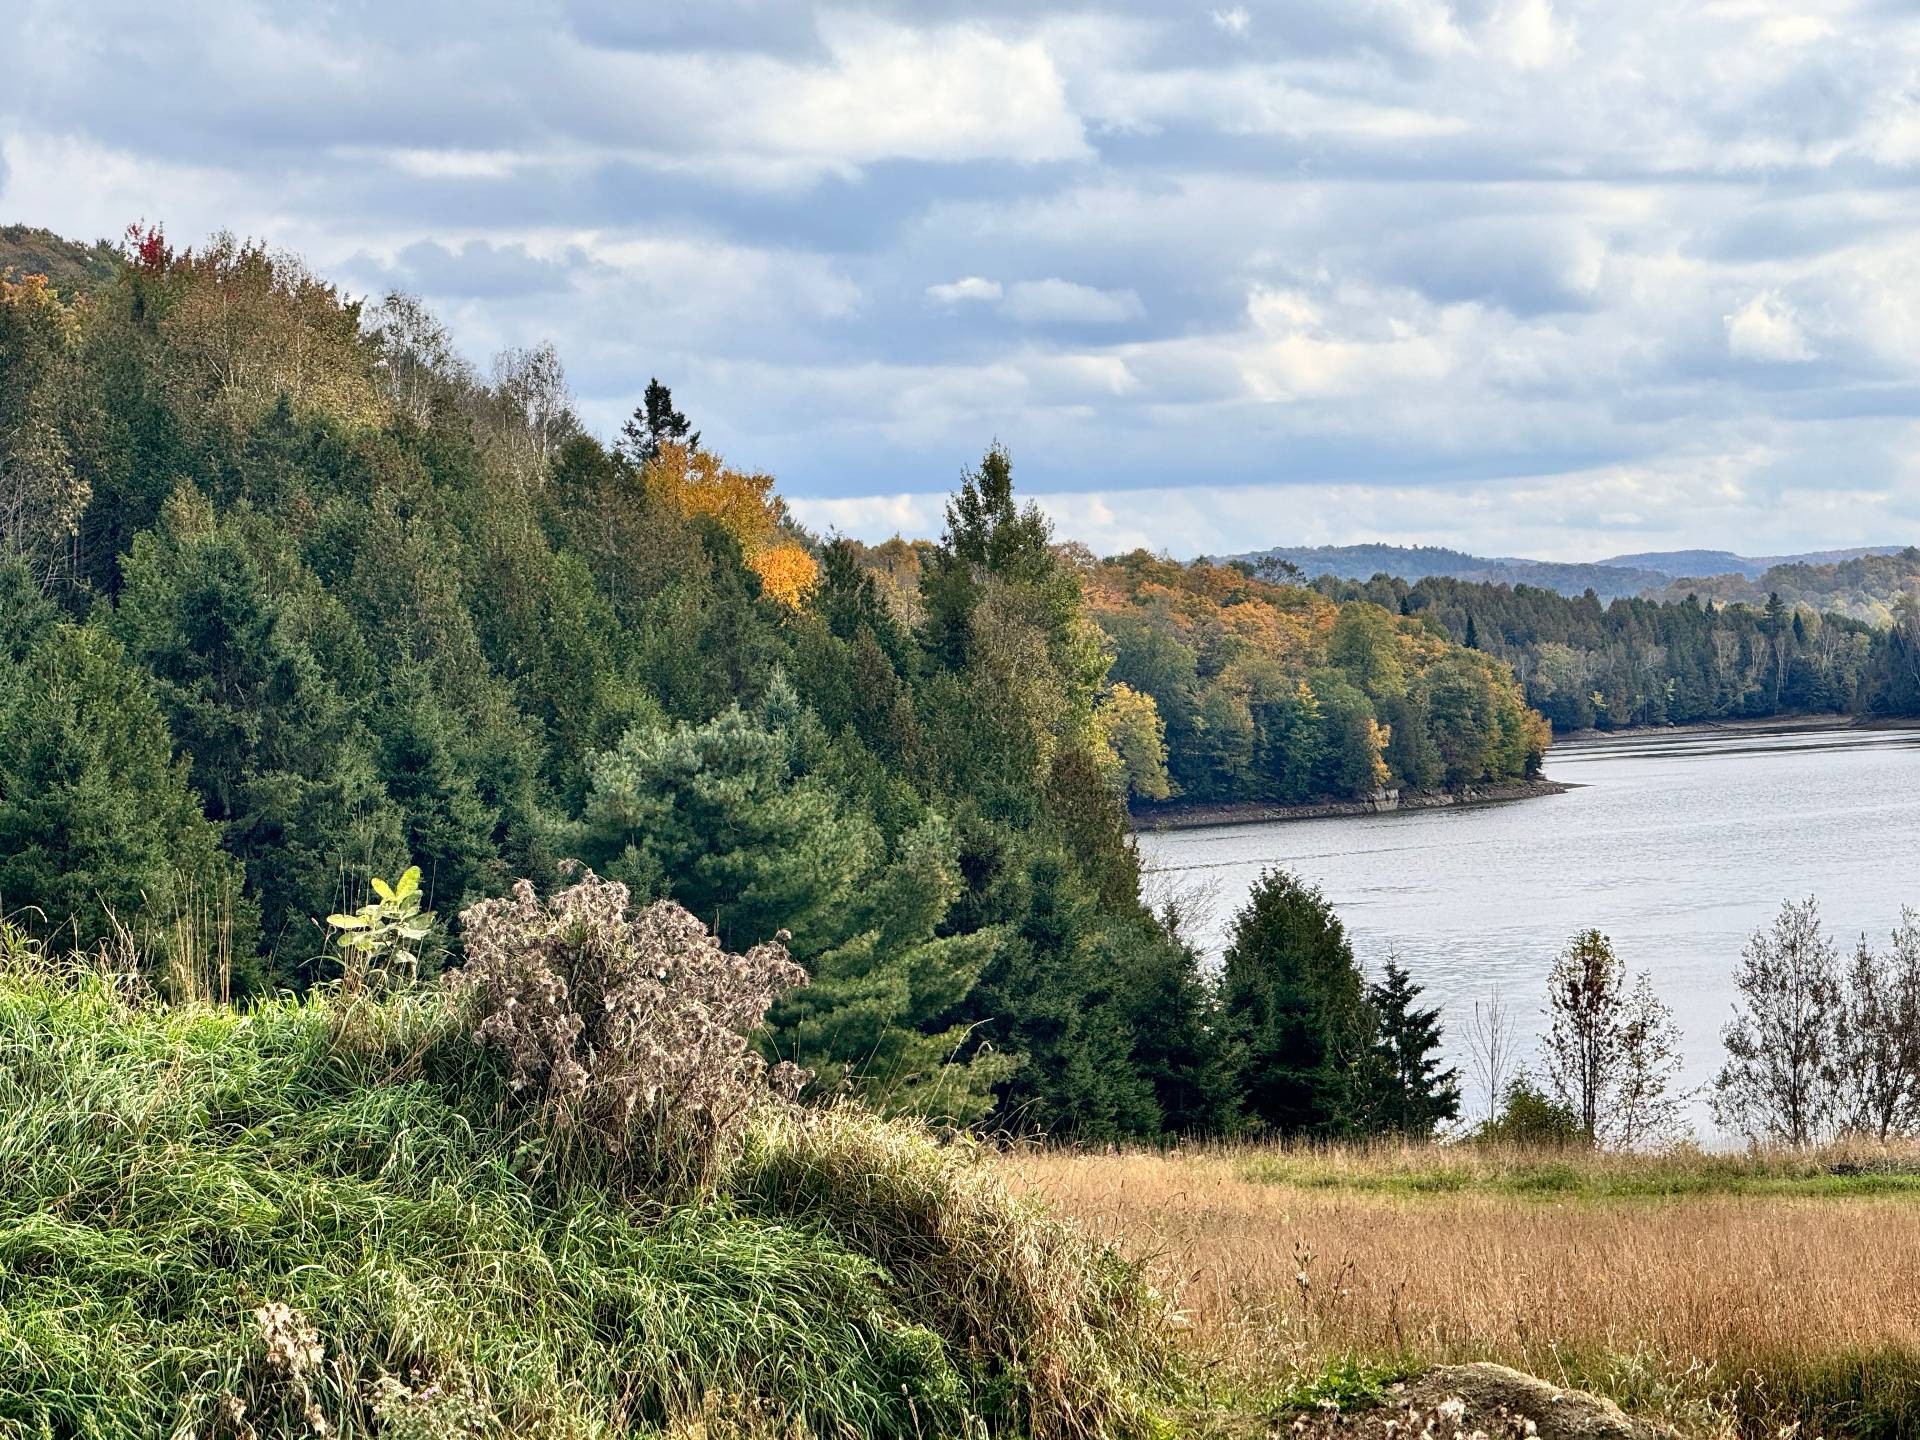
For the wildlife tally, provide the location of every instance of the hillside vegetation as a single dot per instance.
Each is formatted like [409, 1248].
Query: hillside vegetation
[292, 596]
[1583, 663]
[1872, 588]
[333, 1217]
[1271, 692]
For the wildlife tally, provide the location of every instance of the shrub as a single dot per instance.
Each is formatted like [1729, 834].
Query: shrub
[629, 1030]
[1529, 1116]
[379, 944]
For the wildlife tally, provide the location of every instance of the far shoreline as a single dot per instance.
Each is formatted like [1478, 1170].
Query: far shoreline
[1177, 815]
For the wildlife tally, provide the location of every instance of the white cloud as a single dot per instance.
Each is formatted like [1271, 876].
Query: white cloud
[1066, 302]
[1235, 21]
[968, 287]
[1766, 328]
[1527, 35]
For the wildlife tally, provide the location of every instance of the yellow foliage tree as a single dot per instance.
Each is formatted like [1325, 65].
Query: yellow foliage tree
[787, 573]
[699, 482]
[743, 503]
[1133, 743]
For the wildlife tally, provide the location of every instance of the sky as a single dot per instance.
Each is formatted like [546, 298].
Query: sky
[1520, 276]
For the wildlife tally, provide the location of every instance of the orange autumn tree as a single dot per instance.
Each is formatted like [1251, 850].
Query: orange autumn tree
[743, 503]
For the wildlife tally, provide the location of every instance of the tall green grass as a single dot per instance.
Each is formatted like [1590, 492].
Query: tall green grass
[165, 1172]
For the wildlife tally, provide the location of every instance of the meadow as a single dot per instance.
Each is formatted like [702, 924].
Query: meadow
[1727, 1294]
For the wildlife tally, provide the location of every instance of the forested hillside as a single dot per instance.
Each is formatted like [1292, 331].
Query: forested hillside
[1864, 587]
[1273, 692]
[295, 598]
[1649, 662]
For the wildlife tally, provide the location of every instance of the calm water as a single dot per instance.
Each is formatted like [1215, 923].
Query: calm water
[1678, 846]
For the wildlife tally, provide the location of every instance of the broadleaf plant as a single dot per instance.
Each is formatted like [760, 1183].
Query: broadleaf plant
[380, 943]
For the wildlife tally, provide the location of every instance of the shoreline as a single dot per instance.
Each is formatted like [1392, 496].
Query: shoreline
[1177, 816]
[1761, 725]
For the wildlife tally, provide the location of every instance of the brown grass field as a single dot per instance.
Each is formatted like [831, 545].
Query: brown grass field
[1731, 1295]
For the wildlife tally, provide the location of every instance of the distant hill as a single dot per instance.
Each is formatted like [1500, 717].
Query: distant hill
[70, 267]
[1863, 586]
[1683, 563]
[1421, 562]
[1650, 572]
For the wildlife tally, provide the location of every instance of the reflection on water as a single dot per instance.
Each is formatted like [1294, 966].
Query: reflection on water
[1678, 846]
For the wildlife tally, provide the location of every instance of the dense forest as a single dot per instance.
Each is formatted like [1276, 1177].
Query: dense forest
[1272, 692]
[1865, 587]
[294, 598]
[1652, 662]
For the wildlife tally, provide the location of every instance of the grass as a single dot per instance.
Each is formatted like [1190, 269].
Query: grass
[1403, 1168]
[1728, 1294]
[168, 1172]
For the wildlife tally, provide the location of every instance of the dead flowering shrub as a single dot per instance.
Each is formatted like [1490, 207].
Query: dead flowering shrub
[629, 1030]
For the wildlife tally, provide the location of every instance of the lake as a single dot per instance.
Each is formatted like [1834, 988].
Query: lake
[1677, 845]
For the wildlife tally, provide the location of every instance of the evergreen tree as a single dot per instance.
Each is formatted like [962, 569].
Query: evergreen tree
[1294, 1001]
[1409, 1093]
[871, 1018]
[714, 817]
[281, 764]
[653, 422]
[98, 824]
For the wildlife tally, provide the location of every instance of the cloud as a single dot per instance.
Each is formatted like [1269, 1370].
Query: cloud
[1584, 277]
[969, 287]
[1766, 329]
[1235, 21]
[1065, 302]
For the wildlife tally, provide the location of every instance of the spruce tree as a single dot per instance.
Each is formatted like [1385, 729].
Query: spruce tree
[654, 422]
[871, 1020]
[98, 825]
[1409, 1093]
[1294, 1002]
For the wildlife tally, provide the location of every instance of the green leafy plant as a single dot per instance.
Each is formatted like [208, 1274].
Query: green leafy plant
[380, 943]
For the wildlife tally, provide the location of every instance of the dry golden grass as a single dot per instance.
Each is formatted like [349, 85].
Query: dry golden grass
[1685, 1284]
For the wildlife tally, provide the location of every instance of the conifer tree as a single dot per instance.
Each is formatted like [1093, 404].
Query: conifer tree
[1294, 1002]
[98, 824]
[653, 422]
[1410, 1093]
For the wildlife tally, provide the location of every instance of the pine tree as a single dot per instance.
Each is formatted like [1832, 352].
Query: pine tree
[714, 817]
[871, 1018]
[1410, 1093]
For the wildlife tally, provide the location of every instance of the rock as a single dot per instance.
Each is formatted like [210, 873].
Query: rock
[1469, 1402]
[1557, 1414]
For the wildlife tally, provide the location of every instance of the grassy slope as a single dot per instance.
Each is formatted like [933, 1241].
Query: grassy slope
[165, 1172]
[1731, 1294]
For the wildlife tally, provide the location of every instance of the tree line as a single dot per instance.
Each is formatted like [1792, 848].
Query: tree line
[1268, 691]
[1583, 663]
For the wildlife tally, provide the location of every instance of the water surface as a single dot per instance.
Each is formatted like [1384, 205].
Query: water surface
[1678, 846]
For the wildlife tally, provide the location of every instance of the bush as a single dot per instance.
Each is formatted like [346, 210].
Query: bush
[1529, 1116]
[629, 1030]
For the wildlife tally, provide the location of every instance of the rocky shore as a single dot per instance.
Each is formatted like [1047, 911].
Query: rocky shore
[1178, 816]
